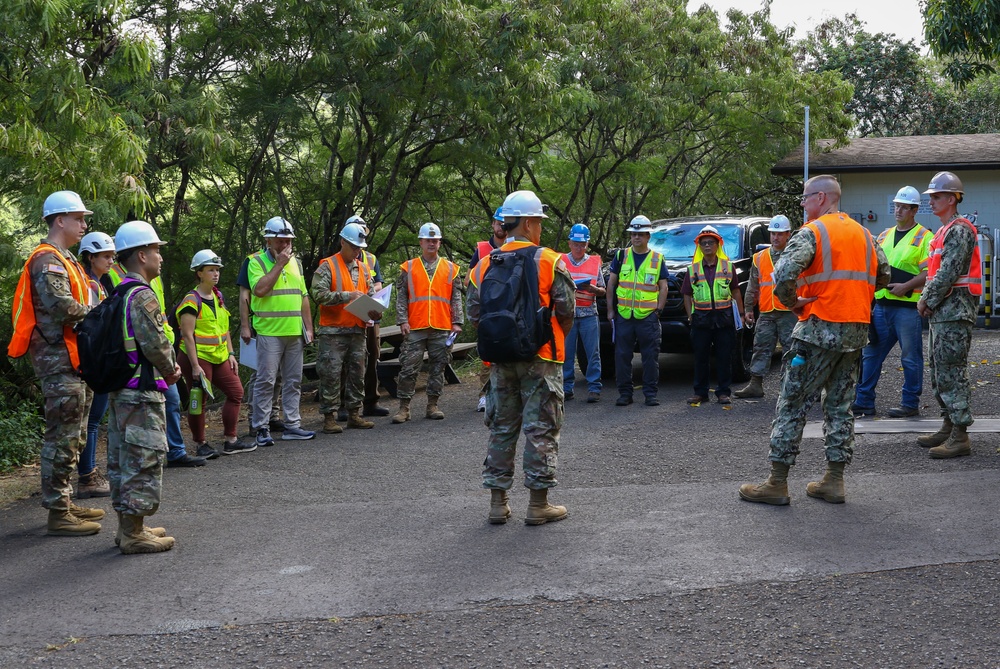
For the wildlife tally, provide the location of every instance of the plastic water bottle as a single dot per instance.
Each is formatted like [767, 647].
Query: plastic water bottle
[798, 360]
[451, 339]
[197, 396]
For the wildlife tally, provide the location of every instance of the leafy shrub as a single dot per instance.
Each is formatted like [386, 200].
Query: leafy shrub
[22, 427]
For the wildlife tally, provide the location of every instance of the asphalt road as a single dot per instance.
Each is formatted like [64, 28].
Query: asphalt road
[371, 548]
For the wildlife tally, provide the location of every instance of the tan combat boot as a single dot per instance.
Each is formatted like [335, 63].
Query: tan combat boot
[499, 510]
[432, 409]
[136, 539]
[85, 513]
[831, 488]
[155, 531]
[93, 485]
[772, 491]
[65, 524]
[939, 437]
[539, 509]
[330, 425]
[403, 414]
[754, 389]
[355, 420]
[956, 446]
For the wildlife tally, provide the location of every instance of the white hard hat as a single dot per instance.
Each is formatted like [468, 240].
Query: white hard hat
[135, 234]
[205, 257]
[709, 231]
[278, 228]
[355, 234]
[360, 221]
[779, 223]
[96, 242]
[522, 203]
[429, 231]
[63, 202]
[639, 224]
[908, 195]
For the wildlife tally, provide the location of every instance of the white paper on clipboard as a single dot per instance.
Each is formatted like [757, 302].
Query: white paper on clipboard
[361, 306]
[248, 353]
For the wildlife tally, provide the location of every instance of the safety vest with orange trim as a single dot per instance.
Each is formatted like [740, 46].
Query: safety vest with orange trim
[590, 268]
[843, 272]
[718, 295]
[767, 302]
[638, 287]
[910, 255]
[337, 315]
[971, 280]
[545, 260]
[23, 313]
[429, 298]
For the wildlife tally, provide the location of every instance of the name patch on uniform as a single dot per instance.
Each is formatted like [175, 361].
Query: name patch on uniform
[55, 268]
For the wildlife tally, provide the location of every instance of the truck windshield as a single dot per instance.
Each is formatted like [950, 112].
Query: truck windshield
[676, 242]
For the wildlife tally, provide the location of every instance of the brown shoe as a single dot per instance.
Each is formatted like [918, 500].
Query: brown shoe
[696, 399]
[354, 420]
[773, 491]
[65, 524]
[957, 445]
[85, 513]
[433, 412]
[93, 485]
[724, 399]
[330, 425]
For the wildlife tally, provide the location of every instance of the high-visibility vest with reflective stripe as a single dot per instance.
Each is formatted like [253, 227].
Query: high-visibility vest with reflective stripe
[429, 298]
[765, 272]
[637, 288]
[973, 279]
[910, 255]
[117, 273]
[368, 259]
[545, 260]
[279, 313]
[717, 295]
[590, 268]
[211, 329]
[843, 271]
[23, 309]
[154, 381]
[337, 315]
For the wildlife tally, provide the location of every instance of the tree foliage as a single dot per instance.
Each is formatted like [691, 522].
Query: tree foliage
[966, 33]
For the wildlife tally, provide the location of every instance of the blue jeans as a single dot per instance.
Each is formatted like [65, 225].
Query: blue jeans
[587, 330]
[175, 440]
[648, 334]
[88, 456]
[893, 324]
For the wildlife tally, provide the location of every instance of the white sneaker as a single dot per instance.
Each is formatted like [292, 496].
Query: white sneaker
[482, 404]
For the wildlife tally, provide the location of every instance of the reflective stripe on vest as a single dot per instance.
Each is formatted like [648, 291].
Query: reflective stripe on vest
[211, 329]
[843, 271]
[429, 299]
[545, 260]
[910, 255]
[132, 347]
[23, 308]
[590, 268]
[716, 296]
[279, 313]
[337, 315]
[117, 274]
[637, 288]
[765, 272]
[971, 280]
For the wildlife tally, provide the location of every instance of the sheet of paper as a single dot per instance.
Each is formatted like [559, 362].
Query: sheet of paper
[206, 385]
[384, 296]
[361, 306]
[248, 354]
[737, 321]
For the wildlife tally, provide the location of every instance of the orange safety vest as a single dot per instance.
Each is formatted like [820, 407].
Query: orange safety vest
[433, 293]
[765, 271]
[843, 271]
[337, 315]
[973, 279]
[588, 269]
[23, 314]
[546, 259]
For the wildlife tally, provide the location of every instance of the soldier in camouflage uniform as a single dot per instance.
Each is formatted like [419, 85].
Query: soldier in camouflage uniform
[339, 280]
[52, 296]
[776, 322]
[428, 311]
[527, 393]
[137, 429]
[837, 267]
[951, 301]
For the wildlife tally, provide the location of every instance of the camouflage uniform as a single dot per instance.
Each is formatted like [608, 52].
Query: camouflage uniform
[954, 314]
[823, 357]
[67, 397]
[137, 430]
[339, 348]
[771, 326]
[411, 354]
[528, 394]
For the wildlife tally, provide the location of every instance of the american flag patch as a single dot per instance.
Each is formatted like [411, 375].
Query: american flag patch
[55, 268]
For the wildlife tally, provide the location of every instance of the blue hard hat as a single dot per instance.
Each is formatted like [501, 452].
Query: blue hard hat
[497, 215]
[579, 233]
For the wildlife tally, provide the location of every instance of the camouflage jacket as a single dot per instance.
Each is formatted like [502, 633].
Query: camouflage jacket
[55, 307]
[950, 304]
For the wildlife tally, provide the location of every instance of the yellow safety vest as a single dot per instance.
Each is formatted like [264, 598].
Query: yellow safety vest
[910, 255]
[279, 313]
[117, 273]
[637, 288]
[211, 330]
[717, 295]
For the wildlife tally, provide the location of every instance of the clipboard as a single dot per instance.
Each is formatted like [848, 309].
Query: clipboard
[361, 306]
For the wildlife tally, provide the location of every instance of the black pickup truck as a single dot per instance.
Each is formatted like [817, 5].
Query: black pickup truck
[674, 238]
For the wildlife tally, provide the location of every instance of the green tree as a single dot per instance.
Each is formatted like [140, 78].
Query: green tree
[966, 33]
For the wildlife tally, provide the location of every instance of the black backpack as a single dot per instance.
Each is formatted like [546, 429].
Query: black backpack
[104, 363]
[512, 323]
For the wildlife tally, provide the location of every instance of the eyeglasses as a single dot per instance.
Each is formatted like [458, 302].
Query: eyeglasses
[809, 195]
[707, 240]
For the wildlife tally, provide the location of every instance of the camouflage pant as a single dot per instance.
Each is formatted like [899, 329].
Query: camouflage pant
[528, 394]
[772, 327]
[949, 354]
[832, 372]
[137, 447]
[338, 352]
[411, 358]
[67, 406]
